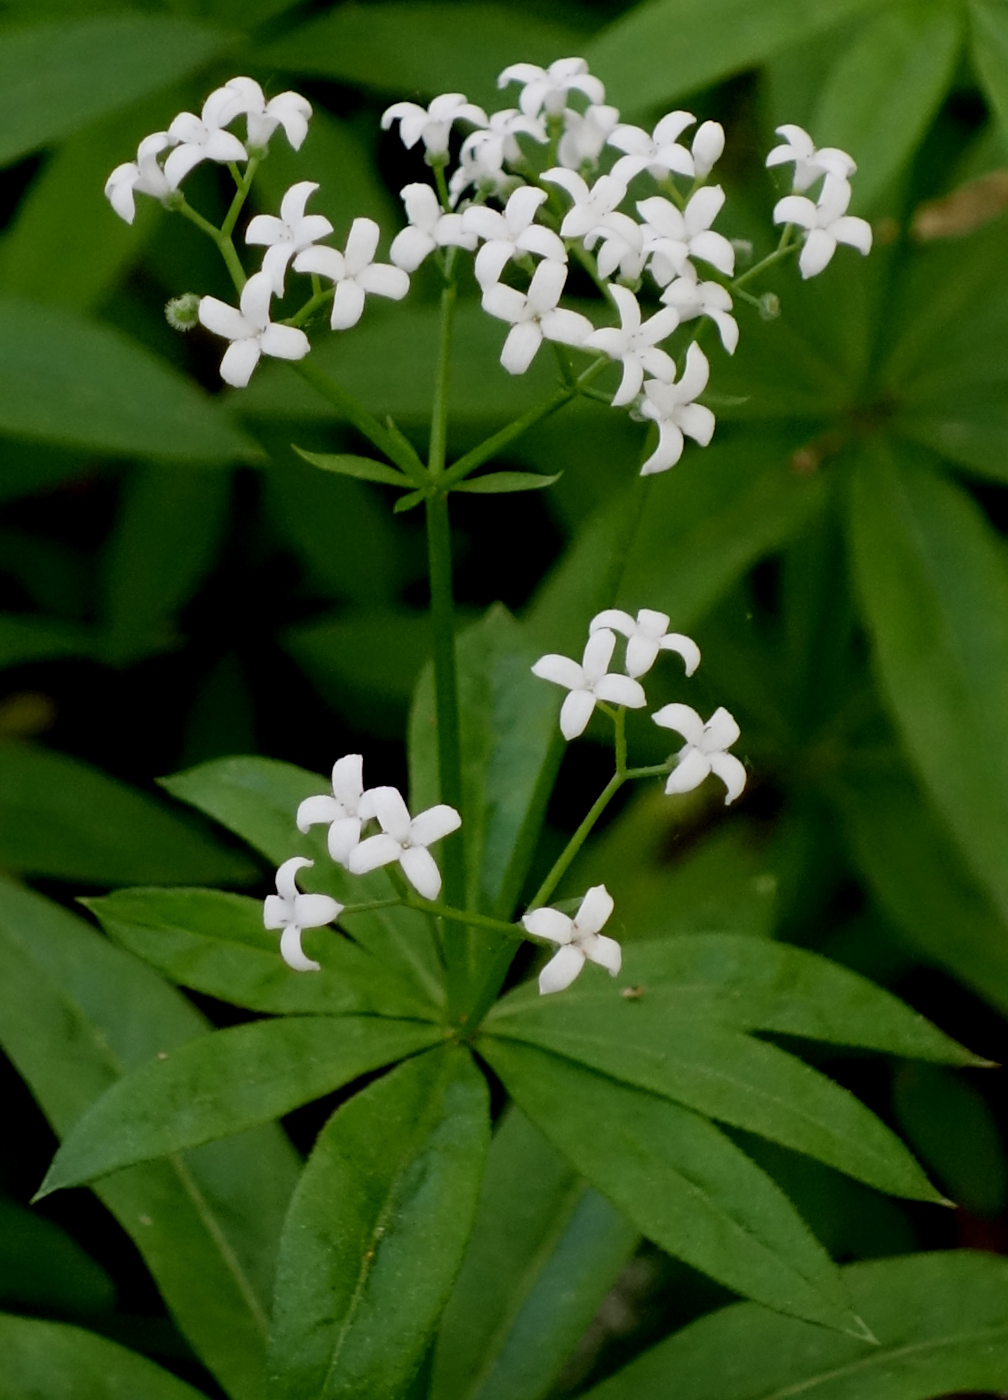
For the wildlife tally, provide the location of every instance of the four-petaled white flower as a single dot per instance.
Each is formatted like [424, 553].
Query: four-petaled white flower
[142, 176]
[691, 298]
[585, 134]
[203, 137]
[289, 235]
[509, 234]
[579, 939]
[535, 316]
[432, 124]
[675, 236]
[429, 228]
[707, 148]
[483, 153]
[546, 89]
[659, 154]
[405, 839]
[355, 273]
[250, 331]
[590, 206]
[647, 634]
[291, 911]
[288, 109]
[635, 344]
[670, 405]
[623, 246]
[344, 812]
[704, 751]
[809, 163]
[828, 224]
[589, 683]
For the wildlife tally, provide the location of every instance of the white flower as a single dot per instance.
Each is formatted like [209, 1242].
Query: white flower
[809, 163]
[250, 331]
[707, 148]
[292, 911]
[670, 405]
[511, 233]
[405, 839]
[691, 298]
[203, 137]
[623, 246]
[647, 634]
[677, 236]
[546, 89]
[590, 206]
[589, 682]
[289, 235]
[579, 940]
[658, 154]
[432, 124]
[142, 176]
[428, 228]
[585, 135]
[704, 750]
[828, 224]
[355, 273]
[345, 811]
[535, 316]
[636, 345]
[483, 153]
[288, 109]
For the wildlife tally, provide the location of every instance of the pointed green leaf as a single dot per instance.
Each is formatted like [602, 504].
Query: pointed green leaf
[497, 483]
[681, 1182]
[941, 1321]
[933, 580]
[49, 1360]
[63, 818]
[43, 1269]
[216, 943]
[989, 32]
[544, 1252]
[377, 1229]
[76, 1014]
[953, 1129]
[225, 1083]
[361, 468]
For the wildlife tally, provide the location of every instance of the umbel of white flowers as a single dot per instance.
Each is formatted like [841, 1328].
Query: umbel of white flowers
[603, 168]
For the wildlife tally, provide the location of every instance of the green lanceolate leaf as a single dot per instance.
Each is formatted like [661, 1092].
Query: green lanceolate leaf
[257, 798]
[43, 1269]
[724, 1075]
[71, 381]
[216, 943]
[60, 817]
[225, 1083]
[76, 1014]
[46, 1360]
[497, 483]
[361, 468]
[377, 1229]
[941, 1321]
[56, 78]
[681, 1182]
[544, 1252]
[989, 34]
[755, 985]
[933, 580]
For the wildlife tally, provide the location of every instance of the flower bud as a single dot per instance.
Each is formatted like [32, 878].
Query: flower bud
[182, 313]
[769, 306]
[708, 145]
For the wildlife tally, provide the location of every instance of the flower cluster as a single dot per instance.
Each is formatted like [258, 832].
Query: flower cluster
[575, 185]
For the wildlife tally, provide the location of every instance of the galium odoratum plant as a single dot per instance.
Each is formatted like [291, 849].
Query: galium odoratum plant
[371, 955]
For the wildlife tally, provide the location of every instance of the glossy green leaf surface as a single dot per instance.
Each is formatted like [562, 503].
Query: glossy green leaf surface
[680, 1181]
[223, 1084]
[544, 1251]
[376, 1231]
[941, 1321]
[66, 819]
[208, 1223]
[47, 1360]
[361, 468]
[216, 943]
[501, 483]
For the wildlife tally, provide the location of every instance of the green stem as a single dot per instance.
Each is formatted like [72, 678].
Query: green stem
[244, 184]
[466, 918]
[370, 905]
[315, 302]
[224, 245]
[348, 407]
[580, 836]
[784, 247]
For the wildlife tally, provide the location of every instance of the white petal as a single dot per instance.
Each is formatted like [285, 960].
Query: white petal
[713, 248]
[595, 910]
[685, 646]
[561, 970]
[641, 654]
[695, 374]
[559, 669]
[422, 207]
[575, 713]
[315, 910]
[708, 144]
[621, 690]
[630, 384]
[856, 233]
[546, 286]
[317, 809]
[348, 780]
[223, 146]
[380, 279]
[616, 620]
[348, 303]
[520, 347]
[292, 206]
[668, 451]
[255, 299]
[181, 161]
[683, 719]
[817, 252]
[520, 209]
[506, 303]
[372, 853]
[795, 209]
[240, 359]
[284, 342]
[491, 260]
[224, 320]
[420, 869]
[627, 305]
[568, 327]
[276, 912]
[432, 825]
[392, 812]
[697, 422]
[343, 837]
[362, 241]
[292, 952]
[310, 229]
[731, 772]
[606, 952]
[285, 877]
[663, 217]
[274, 264]
[597, 654]
[727, 329]
[551, 924]
[410, 247]
[720, 731]
[327, 262]
[692, 769]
